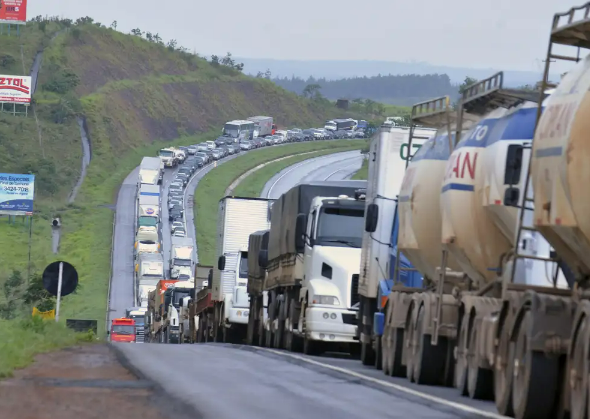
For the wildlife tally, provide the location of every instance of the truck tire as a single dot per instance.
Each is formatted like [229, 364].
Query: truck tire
[503, 372]
[292, 341]
[251, 331]
[480, 381]
[312, 347]
[261, 329]
[428, 364]
[367, 352]
[280, 332]
[378, 353]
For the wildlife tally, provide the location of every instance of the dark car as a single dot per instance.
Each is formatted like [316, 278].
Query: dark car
[186, 169]
[220, 141]
[308, 135]
[175, 214]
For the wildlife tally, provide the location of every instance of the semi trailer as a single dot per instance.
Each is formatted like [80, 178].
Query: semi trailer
[151, 171]
[149, 270]
[490, 213]
[389, 153]
[312, 259]
[263, 125]
[182, 258]
[223, 307]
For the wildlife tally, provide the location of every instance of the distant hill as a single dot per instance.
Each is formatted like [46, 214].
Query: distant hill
[333, 70]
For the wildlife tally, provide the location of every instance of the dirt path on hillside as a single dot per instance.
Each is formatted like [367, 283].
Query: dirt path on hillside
[86, 382]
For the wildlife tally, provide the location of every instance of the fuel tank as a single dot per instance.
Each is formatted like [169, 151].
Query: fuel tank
[481, 196]
[561, 170]
[419, 207]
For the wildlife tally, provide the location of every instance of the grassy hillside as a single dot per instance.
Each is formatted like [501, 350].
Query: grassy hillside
[136, 96]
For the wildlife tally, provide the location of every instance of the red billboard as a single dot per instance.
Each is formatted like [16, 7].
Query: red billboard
[13, 11]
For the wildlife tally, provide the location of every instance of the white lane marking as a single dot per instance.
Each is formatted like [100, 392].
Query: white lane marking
[435, 399]
[340, 170]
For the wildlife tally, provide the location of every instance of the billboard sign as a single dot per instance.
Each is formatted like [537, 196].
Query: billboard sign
[15, 89]
[16, 194]
[13, 11]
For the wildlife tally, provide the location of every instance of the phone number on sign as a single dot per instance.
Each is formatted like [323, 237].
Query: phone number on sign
[16, 188]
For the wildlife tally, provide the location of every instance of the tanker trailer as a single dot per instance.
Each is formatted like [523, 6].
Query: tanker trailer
[559, 174]
[457, 297]
[480, 201]
[420, 230]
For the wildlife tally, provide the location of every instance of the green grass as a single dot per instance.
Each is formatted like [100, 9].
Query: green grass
[212, 187]
[363, 172]
[254, 183]
[23, 339]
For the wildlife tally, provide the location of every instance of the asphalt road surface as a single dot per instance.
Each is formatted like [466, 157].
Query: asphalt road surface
[332, 167]
[227, 381]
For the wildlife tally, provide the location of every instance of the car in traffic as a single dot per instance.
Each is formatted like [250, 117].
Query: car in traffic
[175, 225]
[175, 214]
[245, 145]
[179, 232]
[174, 203]
[216, 154]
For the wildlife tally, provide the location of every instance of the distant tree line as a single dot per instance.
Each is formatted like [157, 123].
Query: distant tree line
[378, 88]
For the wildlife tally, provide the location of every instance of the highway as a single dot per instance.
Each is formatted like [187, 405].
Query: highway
[224, 381]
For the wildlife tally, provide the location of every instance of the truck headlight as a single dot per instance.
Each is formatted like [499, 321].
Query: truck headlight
[327, 300]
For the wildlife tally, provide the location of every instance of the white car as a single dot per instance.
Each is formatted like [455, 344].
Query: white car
[179, 232]
[175, 225]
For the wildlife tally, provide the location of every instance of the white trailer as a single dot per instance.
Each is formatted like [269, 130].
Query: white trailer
[237, 219]
[148, 205]
[149, 269]
[151, 171]
[182, 257]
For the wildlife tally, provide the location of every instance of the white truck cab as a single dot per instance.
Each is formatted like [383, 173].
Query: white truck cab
[332, 255]
[237, 304]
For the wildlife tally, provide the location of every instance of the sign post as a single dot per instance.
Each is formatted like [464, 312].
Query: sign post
[59, 282]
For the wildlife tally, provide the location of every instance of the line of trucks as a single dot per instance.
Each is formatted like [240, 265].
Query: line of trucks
[444, 267]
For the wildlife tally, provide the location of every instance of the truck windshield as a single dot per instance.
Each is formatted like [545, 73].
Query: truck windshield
[243, 269]
[123, 329]
[231, 130]
[139, 320]
[166, 153]
[146, 221]
[179, 295]
[340, 227]
[181, 262]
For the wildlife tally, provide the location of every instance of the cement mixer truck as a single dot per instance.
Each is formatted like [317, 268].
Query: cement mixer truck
[460, 207]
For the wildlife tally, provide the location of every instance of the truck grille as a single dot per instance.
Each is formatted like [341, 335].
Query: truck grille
[140, 335]
[354, 290]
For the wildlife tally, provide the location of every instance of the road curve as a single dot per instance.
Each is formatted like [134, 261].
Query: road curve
[318, 168]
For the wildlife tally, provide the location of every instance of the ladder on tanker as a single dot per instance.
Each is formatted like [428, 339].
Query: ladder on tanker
[569, 29]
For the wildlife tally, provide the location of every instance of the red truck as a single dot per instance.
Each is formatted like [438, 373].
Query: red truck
[123, 330]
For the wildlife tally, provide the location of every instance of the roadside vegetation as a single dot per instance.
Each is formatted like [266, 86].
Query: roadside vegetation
[363, 172]
[214, 184]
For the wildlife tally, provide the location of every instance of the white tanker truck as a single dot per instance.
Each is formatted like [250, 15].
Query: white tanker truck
[504, 313]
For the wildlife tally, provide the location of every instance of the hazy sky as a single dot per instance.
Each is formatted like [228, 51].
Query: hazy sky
[509, 34]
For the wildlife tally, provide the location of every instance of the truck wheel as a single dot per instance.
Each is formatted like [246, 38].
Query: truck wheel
[311, 347]
[292, 341]
[367, 352]
[251, 328]
[480, 383]
[461, 362]
[534, 390]
[378, 355]
[578, 367]
[429, 365]
[279, 333]
[503, 372]
[261, 330]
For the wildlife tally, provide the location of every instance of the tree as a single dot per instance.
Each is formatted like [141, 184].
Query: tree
[137, 32]
[312, 91]
[215, 60]
[259, 75]
[149, 36]
[114, 25]
[267, 74]
[466, 83]
[172, 44]
[158, 39]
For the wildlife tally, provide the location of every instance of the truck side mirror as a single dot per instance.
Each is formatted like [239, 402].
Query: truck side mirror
[511, 196]
[371, 218]
[221, 263]
[263, 259]
[300, 228]
[108, 332]
[209, 284]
